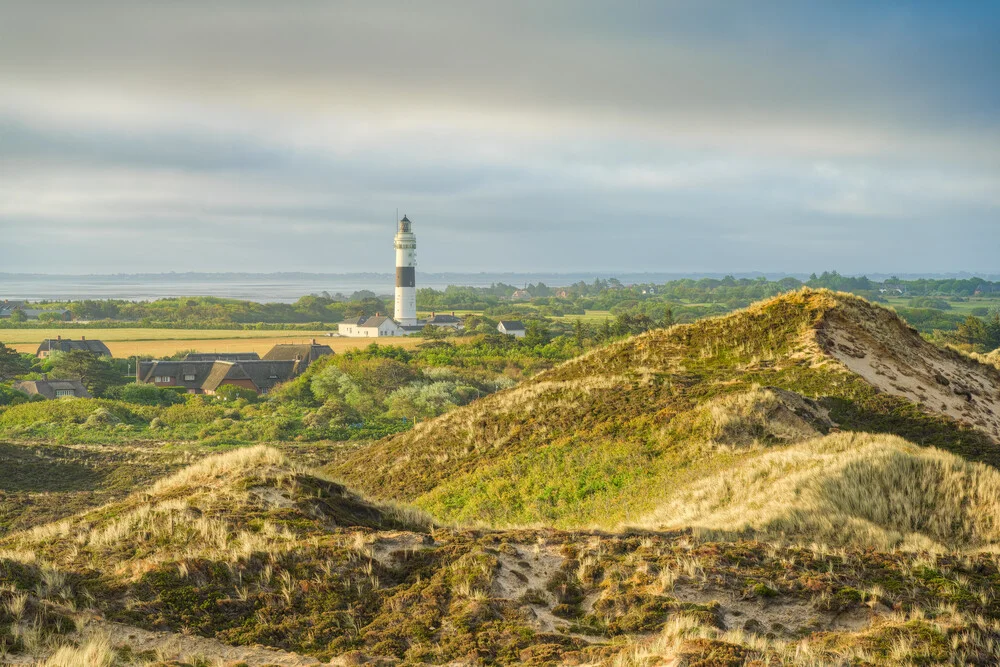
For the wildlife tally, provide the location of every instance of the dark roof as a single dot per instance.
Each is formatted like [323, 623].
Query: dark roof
[290, 352]
[375, 321]
[443, 319]
[209, 375]
[66, 345]
[511, 324]
[222, 356]
[8, 306]
[177, 369]
[266, 374]
[48, 388]
[33, 313]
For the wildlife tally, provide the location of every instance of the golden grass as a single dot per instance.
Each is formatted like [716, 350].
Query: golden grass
[846, 488]
[993, 358]
[164, 342]
[972, 641]
[204, 511]
[96, 652]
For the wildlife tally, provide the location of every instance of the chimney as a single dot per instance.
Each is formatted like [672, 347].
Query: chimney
[453, 313]
[59, 337]
[314, 341]
[83, 339]
[377, 314]
[433, 313]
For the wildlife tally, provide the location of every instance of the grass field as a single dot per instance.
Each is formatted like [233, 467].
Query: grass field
[957, 307]
[590, 317]
[164, 342]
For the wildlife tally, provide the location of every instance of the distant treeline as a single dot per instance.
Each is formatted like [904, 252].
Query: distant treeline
[927, 305]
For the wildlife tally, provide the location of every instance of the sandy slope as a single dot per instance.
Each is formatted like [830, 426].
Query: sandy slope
[875, 344]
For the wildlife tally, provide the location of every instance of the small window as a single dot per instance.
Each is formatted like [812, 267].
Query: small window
[63, 393]
[189, 378]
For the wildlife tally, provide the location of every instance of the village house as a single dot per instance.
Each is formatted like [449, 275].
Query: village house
[520, 295]
[372, 327]
[51, 389]
[60, 344]
[302, 355]
[8, 308]
[207, 372]
[207, 377]
[512, 328]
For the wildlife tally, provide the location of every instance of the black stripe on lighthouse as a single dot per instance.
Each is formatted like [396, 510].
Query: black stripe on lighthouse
[406, 276]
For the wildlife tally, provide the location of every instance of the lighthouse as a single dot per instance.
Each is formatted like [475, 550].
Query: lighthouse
[406, 286]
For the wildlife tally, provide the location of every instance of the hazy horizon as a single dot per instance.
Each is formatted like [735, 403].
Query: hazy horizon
[569, 137]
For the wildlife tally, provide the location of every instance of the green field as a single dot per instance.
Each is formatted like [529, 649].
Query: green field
[957, 307]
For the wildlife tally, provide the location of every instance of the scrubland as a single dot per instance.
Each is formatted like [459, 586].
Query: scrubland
[737, 491]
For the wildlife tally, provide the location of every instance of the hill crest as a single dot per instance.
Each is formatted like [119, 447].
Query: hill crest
[589, 440]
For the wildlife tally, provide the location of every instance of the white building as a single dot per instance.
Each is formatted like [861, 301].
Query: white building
[372, 327]
[406, 285]
[512, 328]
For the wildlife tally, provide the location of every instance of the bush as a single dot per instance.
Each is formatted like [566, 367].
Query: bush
[11, 396]
[145, 394]
[232, 392]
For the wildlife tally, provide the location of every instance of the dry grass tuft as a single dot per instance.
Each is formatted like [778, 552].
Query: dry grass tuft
[96, 652]
[847, 488]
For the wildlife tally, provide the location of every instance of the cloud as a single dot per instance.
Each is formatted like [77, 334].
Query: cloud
[562, 136]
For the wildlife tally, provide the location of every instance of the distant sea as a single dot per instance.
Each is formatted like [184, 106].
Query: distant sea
[288, 287]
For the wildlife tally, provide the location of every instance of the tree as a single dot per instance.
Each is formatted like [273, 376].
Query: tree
[12, 364]
[18, 316]
[96, 373]
[536, 333]
[432, 332]
[973, 332]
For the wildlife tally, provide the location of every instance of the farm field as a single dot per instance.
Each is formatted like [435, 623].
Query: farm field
[590, 317]
[164, 342]
[957, 307]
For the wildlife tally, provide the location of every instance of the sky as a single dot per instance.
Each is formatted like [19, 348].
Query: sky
[565, 135]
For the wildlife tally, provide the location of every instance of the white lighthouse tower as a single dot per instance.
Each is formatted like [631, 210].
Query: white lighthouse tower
[406, 286]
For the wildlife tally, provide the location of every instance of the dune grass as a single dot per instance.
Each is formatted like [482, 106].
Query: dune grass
[846, 488]
[600, 439]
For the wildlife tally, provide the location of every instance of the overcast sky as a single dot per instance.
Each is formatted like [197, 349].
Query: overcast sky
[525, 136]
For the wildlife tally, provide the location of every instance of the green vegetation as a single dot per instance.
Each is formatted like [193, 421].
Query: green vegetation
[757, 501]
[248, 549]
[358, 395]
[604, 438]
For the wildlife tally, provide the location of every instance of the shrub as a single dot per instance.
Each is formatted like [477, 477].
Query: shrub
[145, 394]
[231, 392]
